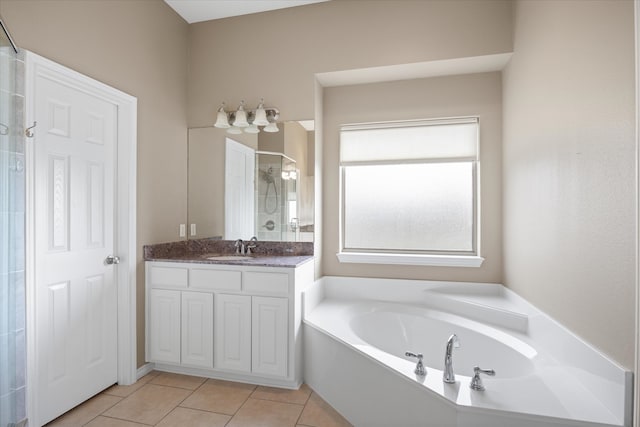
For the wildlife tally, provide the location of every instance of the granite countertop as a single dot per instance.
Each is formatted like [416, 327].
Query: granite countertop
[266, 254]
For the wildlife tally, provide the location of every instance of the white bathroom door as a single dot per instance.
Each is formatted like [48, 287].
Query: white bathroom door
[239, 197]
[75, 287]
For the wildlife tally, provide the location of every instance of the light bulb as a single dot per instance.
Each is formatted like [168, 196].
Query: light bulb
[252, 128]
[271, 127]
[261, 115]
[241, 117]
[222, 121]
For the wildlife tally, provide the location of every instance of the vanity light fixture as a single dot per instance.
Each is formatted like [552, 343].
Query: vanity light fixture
[247, 120]
[271, 127]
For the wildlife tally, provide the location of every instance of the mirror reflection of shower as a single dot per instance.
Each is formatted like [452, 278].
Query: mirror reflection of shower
[267, 176]
[276, 198]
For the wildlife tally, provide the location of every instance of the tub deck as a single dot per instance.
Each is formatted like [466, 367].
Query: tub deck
[567, 382]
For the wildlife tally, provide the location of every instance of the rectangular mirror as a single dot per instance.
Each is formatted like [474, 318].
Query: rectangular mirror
[244, 185]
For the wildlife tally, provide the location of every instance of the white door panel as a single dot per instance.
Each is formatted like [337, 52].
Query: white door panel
[76, 298]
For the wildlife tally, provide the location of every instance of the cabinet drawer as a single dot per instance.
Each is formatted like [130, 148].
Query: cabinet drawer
[215, 279]
[162, 277]
[270, 283]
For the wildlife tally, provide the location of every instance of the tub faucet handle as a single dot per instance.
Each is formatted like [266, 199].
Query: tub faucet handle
[420, 369]
[476, 381]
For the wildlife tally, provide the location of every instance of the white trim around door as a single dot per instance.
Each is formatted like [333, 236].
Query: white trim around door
[124, 218]
[636, 408]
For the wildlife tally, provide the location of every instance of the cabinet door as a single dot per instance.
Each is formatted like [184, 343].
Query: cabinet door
[197, 329]
[165, 326]
[269, 336]
[232, 338]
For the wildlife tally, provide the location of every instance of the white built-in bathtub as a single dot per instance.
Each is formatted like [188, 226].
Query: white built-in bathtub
[357, 332]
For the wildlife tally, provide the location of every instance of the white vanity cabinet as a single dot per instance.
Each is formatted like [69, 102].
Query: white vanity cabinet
[164, 315]
[269, 335]
[197, 329]
[233, 322]
[233, 332]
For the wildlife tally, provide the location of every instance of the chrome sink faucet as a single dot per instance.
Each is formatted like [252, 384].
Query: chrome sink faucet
[448, 376]
[244, 248]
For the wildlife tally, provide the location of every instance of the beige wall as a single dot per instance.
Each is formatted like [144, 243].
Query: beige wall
[275, 54]
[271, 141]
[139, 47]
[569, 174]
[456, 96]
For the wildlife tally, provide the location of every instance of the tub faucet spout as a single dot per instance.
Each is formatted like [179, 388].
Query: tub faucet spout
[448, 376]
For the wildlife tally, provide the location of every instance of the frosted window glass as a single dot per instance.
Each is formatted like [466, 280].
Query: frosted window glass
[412, 207]
[410, 142]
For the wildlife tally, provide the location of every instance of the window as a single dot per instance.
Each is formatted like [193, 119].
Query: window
[409, 192]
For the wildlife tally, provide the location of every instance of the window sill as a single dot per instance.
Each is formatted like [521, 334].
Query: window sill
[411, 259]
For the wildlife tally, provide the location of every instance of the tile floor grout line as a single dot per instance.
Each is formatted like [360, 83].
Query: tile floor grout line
[125, 419]
[121, 399]
[180, 403]
[300, 415]
[122, 419]
[244, 403]
[304, 406]
[308, 397]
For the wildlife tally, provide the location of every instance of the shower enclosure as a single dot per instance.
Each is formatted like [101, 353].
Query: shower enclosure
[12, 226]
[276, 197]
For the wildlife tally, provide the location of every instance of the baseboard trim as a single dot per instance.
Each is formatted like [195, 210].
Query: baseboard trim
[144, 370]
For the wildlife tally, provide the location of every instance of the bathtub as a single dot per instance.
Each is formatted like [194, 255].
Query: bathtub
[356, 333]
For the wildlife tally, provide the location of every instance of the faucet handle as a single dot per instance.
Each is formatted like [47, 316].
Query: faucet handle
[252, 244]
[420, 369]
[239, 245]
[476, 381]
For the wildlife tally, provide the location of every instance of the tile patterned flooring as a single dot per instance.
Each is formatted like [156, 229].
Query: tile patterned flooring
[170, 400]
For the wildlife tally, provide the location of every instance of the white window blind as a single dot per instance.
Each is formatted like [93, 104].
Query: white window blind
[410, 187]
[412, 140]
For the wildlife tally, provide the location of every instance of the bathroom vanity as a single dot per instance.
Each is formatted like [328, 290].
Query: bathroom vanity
[213, 314]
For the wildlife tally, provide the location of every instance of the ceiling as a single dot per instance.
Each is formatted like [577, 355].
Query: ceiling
[206, 10]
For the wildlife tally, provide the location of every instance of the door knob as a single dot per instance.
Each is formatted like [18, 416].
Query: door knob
[111, 259]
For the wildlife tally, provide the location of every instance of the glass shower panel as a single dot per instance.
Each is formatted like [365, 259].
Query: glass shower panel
[12, 220]
[276, 198]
